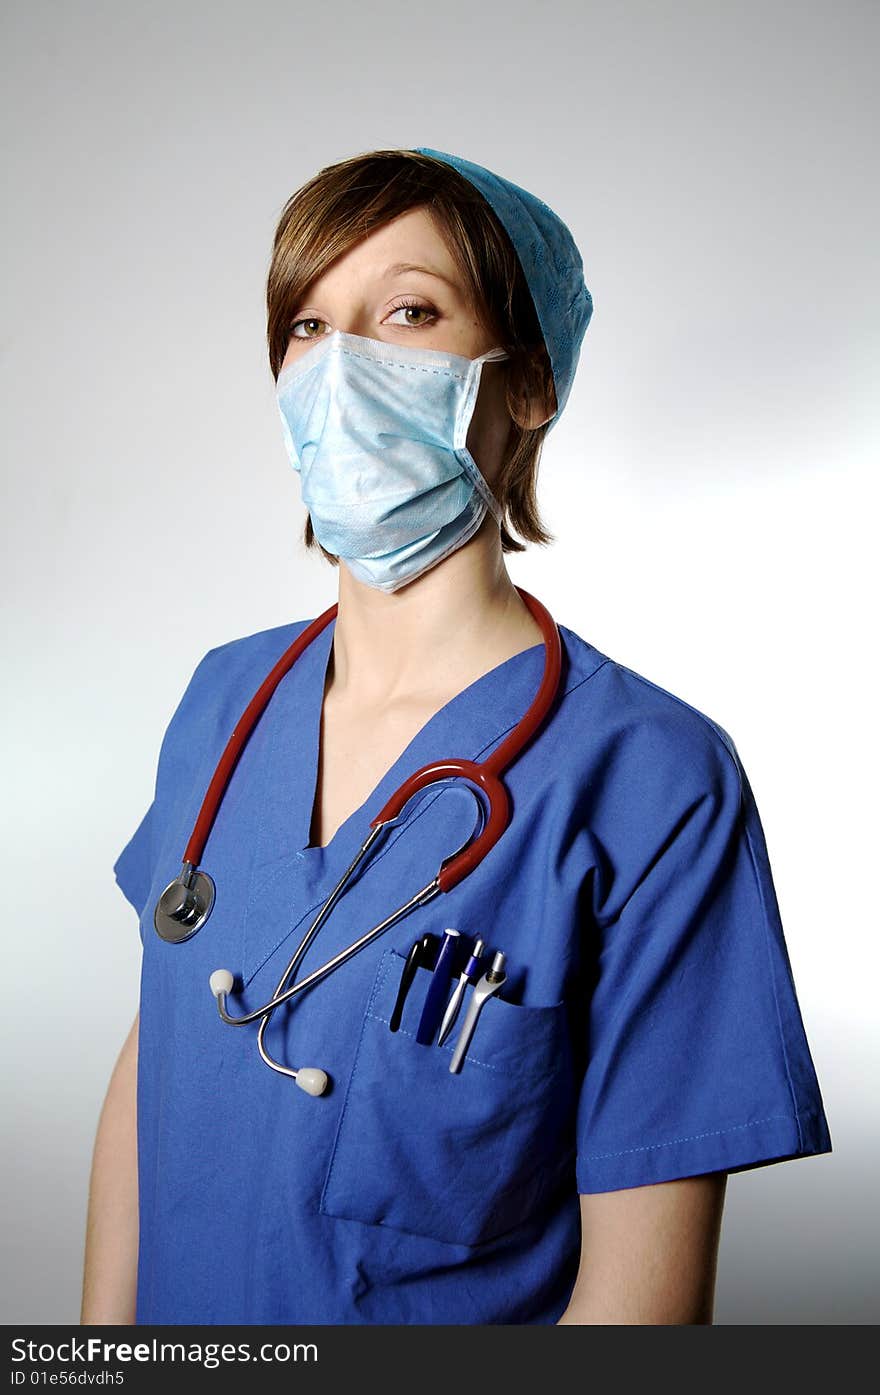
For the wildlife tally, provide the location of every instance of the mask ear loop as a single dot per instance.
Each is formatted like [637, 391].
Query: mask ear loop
[462, 426]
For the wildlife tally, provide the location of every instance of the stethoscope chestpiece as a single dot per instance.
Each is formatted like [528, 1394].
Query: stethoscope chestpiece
[184, 905]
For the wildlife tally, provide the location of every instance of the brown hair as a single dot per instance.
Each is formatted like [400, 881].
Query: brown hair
[344, 203]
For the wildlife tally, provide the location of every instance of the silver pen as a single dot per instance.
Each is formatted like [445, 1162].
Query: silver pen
[490, 983]
[468, 976]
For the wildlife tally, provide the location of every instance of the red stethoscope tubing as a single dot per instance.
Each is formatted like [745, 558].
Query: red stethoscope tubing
[485, 774]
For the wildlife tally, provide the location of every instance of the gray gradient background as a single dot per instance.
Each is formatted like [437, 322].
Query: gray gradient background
[711, 484]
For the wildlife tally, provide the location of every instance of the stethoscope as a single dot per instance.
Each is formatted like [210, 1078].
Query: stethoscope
[187, 901]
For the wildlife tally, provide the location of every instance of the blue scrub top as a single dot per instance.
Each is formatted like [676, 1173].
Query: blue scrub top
[649, 1028]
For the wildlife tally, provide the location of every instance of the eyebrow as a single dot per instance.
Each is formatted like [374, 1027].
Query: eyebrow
[399, 267]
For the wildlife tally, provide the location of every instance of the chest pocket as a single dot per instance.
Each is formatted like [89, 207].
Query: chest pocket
[461, 1158]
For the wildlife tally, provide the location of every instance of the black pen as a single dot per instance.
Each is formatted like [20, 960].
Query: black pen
[422, 953]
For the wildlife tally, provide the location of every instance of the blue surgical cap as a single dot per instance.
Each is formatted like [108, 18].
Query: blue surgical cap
[550, 261]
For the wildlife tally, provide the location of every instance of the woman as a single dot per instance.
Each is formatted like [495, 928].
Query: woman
[425, 318]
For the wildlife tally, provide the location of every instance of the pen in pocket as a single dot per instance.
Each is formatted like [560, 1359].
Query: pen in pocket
[469, 975]
[422, 953]
[490, 983]
[438, 988]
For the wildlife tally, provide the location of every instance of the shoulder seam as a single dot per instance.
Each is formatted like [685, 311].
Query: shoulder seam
[586, 678]
[295, 626]
[718, 731]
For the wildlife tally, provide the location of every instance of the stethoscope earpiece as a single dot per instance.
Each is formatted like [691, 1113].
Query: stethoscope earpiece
[221, 981]
[309, 1078]
[312, 1080]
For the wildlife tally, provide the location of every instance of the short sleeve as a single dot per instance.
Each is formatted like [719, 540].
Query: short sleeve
[697, 1057]
[135, 864]
[133, 867]
[204, 715]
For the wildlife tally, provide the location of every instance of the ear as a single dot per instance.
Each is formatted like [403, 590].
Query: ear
[528, 407]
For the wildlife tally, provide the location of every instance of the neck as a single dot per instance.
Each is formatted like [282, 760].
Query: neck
[434, 636]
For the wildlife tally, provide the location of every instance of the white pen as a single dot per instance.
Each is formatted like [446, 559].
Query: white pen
[488, 984]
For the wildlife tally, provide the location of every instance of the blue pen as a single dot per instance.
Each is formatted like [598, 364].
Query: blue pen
[438, 988]
[470, 975]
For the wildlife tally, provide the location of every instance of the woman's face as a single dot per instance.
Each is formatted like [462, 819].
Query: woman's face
[367, 291]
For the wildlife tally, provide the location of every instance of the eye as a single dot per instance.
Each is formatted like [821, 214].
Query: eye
[415, 305]
[301, 329]
[312, 321]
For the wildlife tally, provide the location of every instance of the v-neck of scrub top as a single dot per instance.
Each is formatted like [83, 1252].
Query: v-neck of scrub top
[464, 727]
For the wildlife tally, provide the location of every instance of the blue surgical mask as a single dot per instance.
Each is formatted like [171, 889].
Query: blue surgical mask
[377, 433]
